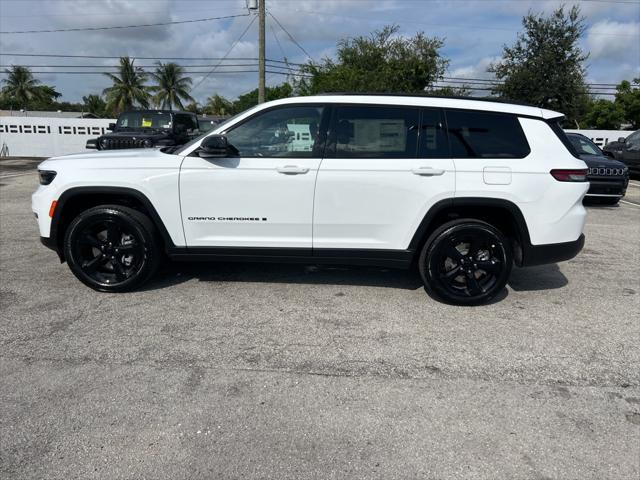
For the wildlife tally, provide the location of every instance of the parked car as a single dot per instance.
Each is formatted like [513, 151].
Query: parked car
[148, 129]
[460, 188]
[608, 177]
[207, 124]
[627, 150]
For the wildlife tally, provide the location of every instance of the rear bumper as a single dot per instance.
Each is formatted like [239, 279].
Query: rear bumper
[551, 253]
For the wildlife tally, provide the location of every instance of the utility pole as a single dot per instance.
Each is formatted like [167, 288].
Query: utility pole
[261, 73]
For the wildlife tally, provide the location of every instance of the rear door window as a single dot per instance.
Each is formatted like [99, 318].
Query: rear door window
[375, 132]
[475, 134]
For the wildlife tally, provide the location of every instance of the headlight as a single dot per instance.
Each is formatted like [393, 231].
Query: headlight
[147, 143]
[103, 144]
[46, 176]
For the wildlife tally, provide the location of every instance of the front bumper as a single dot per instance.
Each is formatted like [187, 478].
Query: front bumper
[612, 187]
[551, 253]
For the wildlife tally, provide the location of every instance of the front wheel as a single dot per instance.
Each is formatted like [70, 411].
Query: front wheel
[465, 262]
[112, 248]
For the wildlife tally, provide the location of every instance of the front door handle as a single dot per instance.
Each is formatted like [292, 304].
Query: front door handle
[292, 170]
[427, 171]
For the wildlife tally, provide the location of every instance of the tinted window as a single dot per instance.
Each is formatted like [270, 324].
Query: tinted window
[433, 139]
[485, 135]
[187, 121]
[634, 139]
[144, 120]
[583, 145]
[281, 132]
[375, 132]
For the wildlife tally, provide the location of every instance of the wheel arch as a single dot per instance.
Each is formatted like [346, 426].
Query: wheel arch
[78, 199]
[502, 214]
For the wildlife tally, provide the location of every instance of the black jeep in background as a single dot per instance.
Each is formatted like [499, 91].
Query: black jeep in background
[626, 150]
[148, 129]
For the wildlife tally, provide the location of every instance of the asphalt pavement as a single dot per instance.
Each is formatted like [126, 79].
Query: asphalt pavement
[243, 371]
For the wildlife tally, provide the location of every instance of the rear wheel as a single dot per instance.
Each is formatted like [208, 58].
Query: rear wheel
[112, 248]
[465, 262]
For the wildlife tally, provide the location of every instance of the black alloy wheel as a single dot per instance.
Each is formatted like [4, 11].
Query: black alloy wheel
[112, 248]
[466, 262]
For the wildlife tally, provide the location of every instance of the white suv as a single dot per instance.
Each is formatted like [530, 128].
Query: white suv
[462, 188]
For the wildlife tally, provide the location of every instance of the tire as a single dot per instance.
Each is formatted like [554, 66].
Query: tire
[112, 248]
[609, 201]
[465, 262]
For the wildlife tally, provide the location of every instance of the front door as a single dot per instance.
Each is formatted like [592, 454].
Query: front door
[263, 197]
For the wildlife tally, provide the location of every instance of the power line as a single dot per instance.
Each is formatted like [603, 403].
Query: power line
[85, 29]
[225, 55]
[290, 36]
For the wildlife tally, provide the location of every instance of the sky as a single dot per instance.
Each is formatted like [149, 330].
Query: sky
[474, 33]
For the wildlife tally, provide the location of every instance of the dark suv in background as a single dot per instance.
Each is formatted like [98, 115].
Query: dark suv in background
[608, 177]
[148, 129]
[627, 150]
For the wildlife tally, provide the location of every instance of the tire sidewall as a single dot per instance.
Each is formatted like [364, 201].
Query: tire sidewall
[443, 233]
[121, 214]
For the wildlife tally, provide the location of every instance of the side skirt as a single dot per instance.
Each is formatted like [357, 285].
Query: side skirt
[381, 258]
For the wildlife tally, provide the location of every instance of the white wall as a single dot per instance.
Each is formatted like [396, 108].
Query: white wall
[48, 137]
[602, 137]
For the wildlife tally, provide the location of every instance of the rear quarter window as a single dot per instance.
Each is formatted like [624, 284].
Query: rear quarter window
[485, 135]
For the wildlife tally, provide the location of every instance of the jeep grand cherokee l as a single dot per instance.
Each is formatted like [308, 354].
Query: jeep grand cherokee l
[462, 188]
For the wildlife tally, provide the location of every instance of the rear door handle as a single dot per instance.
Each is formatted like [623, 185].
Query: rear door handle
[292, 170]
[427, 171]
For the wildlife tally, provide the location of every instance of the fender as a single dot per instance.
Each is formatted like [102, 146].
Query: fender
[121, 191]
[450, 204]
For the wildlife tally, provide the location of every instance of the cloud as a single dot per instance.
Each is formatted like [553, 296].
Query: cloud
[474, 33]
[614, 41]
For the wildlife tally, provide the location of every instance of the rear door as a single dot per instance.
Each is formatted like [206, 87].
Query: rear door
[373, 189]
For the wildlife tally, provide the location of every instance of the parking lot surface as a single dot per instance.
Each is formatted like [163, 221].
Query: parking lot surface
[294, 372]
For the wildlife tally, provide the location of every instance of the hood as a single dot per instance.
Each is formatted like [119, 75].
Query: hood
[596, 161]
[137, 134]
[109, 157]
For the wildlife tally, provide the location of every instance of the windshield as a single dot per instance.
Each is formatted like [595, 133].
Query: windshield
[584, 146]
[144, 120]
[200, 137]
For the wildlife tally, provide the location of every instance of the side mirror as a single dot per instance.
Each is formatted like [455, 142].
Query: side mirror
[112, 126]
[622, 139]
[216, 146]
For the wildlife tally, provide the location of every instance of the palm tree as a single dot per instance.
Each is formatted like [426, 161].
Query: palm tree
[173, 86]
[20, 86]
[94, 104]
[128, 89]
[218, 105]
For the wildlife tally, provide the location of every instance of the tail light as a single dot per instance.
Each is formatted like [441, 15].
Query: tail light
[570, 175]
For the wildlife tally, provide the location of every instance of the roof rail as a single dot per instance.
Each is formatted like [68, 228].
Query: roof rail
[427, 95]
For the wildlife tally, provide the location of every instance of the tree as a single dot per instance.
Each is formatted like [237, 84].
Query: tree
[382, 62]
[128, 89]
[218, 105]
[628, 98]
[95, 105]
[172, 86]
[193, 107]
[250, 99]
[545, 65]
[603, 115]
[21, 87]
